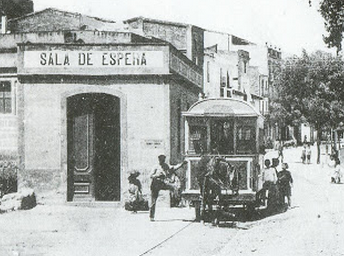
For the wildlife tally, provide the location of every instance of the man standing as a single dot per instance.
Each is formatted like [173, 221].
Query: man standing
[160, 181]
[285, 182]
[269, 183]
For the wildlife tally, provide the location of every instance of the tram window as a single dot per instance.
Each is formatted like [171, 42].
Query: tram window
[198, 143]
[222, 137]
[246, 141]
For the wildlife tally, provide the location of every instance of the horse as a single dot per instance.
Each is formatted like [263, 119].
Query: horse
[215, 174]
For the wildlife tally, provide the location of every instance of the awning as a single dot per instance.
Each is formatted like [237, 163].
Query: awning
[222, 107]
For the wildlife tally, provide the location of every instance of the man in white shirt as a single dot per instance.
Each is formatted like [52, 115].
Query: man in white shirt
[269, 183]
[161, 180]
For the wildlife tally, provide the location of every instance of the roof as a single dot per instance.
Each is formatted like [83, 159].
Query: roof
[222, 107]
[172, 23]
[75, 14]
[236, 40]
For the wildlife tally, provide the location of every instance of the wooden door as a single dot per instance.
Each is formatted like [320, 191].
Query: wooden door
[81, 157]
[93, 135]
[80, 136]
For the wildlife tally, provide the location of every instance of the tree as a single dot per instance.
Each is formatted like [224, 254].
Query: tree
[333, 13]
[15, 8]
[310, 89]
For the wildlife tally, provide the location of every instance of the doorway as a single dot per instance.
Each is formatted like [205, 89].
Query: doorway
[93, 147]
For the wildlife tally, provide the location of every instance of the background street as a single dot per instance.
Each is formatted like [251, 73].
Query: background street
[314, 226]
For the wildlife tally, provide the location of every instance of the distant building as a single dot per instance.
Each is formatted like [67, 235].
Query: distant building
[264, 63]
[188, 39]
[239, 79]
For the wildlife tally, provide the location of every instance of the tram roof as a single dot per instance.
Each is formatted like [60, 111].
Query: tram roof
[222, 107]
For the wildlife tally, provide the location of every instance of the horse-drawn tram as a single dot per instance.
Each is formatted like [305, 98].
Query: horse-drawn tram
[223, 138]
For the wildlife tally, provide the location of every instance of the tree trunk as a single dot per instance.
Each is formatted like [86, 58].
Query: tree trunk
[319, 131]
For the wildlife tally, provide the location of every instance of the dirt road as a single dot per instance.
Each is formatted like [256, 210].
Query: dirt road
[314, 226]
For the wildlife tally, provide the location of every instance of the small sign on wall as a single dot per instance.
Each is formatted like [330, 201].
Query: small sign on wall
[153, 144]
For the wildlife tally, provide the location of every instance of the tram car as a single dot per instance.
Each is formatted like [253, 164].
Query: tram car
[223, 147]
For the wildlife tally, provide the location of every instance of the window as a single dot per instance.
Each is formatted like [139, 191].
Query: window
[222, 82]
[222, 137]
[222, 92]
[246, 140]
[179, 122]
[5, 97]
[228, 81]
[208, 71]
[245, 67]
[198, 139]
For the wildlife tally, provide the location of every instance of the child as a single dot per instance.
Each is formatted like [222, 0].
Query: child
[336, 173]
[303, 154]
[135, 201]
[285, 182]
[308, 154]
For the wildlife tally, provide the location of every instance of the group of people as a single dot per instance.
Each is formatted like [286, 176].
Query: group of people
[276, 184]
[163, 177]
[306, 154]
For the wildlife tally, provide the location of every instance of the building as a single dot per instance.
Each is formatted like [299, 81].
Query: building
[188, 39]
[264, 63]
[86, 101]
[228, 71]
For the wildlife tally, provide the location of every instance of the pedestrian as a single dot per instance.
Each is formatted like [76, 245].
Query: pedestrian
[280, 151]
[175, 192]
[161, 181]
[303, 154]
[336, 172]
[275, 164]
[334, 152]
[285, 182]
[308, 153]
[269, 177]
[135, 201]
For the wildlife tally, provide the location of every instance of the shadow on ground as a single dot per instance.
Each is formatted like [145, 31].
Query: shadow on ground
[227, 218]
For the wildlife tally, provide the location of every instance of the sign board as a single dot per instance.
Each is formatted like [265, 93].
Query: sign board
[93, 59]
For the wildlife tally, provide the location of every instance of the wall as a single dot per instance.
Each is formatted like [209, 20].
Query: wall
[144, 117]
[197, 45]
[223, 40]
[186, 38]
[227, 61]
[9, 125]
[53, 20]
[90, 37]
[258, 56]
[176, 35]
[181, 100]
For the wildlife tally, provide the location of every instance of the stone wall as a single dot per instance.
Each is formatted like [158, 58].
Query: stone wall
[144, 129]
[180, 101]
[54, 20]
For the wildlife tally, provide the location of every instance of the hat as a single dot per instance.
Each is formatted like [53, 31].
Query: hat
[162, 156]
[133, 174]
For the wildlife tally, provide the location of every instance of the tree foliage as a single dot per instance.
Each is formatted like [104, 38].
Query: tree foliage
[15, 8]
[310, 88]
[333, 13]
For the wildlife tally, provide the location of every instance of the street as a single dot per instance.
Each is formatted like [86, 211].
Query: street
[313, 226]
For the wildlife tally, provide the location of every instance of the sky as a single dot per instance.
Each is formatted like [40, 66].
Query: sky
[287, 24]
